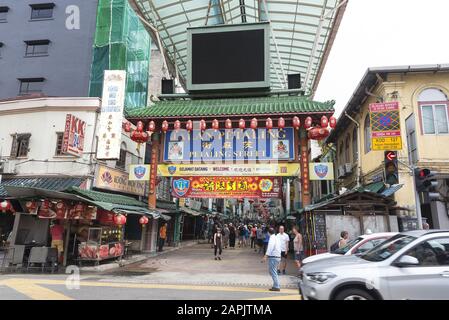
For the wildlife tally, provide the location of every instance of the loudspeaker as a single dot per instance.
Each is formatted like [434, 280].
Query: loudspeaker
[168, 86]
[294, 81]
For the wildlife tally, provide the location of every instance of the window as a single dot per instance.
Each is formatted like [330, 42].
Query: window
[434, 105]
[36, 48]
[347, 144]
[3, 13]
[412, 147]
[121, 162]
[433, 252]
[367, 134]
[59, 143]
[31, 85]
[355, 147]
[42, 11]
[20, 144]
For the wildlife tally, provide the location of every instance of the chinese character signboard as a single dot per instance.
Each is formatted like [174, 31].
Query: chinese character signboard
[385, 126]
[139, 172]
[74, 133]
[116, 180]
[257, 169]
[111, 117]
[226, 187]
[229, 144]
[321, 171]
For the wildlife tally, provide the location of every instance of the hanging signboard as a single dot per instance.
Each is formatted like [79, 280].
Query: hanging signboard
[259, 169]
[116, 180]
[74, 133]
[321, 171]
[111, 116]
[229, 144]
[226, 187]
[385, 126]
[139, 172]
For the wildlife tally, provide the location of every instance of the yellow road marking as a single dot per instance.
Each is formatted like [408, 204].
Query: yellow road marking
[34, 291]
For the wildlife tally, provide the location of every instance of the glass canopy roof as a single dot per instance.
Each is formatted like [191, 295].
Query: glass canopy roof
[302, 31]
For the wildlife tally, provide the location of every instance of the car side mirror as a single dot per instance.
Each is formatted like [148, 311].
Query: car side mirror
[406, 261]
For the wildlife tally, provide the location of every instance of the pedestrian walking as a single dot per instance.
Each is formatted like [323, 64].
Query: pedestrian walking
[218, 241]
[232, 233]
[298, 247]
[260, 237]
[273, 255]
[162, 236]
[266, 239]
[253, 237]
[241, 233]
[57, 236]
[245, 235]
[284, 241]
[225, 236]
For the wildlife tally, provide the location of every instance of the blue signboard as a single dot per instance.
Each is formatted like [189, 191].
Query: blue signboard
[229, 145]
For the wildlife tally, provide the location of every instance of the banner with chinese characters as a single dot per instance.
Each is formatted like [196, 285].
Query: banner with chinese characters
[321, 171]
[229, 144]
[226, 187]
[73, 139]
[111, 116]
[385, 126]
[139, 172]
[259, 169]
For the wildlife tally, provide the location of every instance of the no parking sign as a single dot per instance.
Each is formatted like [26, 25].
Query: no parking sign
[385, 126]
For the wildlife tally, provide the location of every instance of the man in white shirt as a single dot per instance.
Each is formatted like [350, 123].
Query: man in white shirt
[273, 255]
[284, 240]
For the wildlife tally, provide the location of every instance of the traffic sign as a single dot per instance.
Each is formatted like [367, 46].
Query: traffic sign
[390, 155]
[385, 126]
[391, 167]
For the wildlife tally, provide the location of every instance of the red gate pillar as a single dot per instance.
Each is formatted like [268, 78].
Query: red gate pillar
[305, 178]
[155, 146]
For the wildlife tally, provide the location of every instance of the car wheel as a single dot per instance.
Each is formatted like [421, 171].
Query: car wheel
[353, 294]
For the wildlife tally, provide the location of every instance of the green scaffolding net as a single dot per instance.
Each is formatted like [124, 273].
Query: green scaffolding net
[121, 43]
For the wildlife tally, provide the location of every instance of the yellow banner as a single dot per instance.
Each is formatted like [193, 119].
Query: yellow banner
[259, 169]
[386, 143]
[116, 180]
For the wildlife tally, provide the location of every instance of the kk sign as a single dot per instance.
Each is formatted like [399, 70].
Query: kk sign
[229, 144]
[385, 126]
[74, 133]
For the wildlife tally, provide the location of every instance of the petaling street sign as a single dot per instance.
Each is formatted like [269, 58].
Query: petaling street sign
[257, 169]
[212, 145]
[385, 126]
[226, 187]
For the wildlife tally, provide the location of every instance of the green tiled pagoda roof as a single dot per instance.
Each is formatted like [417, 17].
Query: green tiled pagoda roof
[234, 106]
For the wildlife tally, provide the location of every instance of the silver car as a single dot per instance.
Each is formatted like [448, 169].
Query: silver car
[410, 265]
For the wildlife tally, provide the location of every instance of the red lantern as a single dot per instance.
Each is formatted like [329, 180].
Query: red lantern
[139, 126]
[189, 125]
[5, 206]
[269, 124]
[151, 126]
[143, 220]
[324, 122]
[139, 136]
[228, 124]
[253, 123]
[308, 122]
[215, 124]
[202, 125]
[242, 124]
[119, 219]
[333, 122]
[318, 133]
[281, 123]
[296, 123]
[127, 126]
[165, 126]
[177, 125]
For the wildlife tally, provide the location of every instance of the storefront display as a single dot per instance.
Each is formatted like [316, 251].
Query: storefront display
[102, 243]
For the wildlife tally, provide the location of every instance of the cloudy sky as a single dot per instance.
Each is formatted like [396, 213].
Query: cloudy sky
[377, 33]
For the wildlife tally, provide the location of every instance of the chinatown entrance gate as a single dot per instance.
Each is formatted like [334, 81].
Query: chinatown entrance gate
[234, 148]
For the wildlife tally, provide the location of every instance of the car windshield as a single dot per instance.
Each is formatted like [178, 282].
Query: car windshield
[348, 246]
[387, 248]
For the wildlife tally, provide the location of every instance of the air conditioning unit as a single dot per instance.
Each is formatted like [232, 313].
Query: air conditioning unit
[341, 171]
[348, 168]
[7, 167]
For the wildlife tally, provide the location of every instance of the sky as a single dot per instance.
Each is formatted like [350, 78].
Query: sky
[379, 33]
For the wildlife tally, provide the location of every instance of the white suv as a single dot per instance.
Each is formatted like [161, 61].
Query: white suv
[410, 265]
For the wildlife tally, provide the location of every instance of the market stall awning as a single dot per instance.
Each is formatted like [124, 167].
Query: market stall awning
[391, 190]
[301, 37]
[191, 211]
[284, 105]
[48, 183]
[30, 192]
[106, 197]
